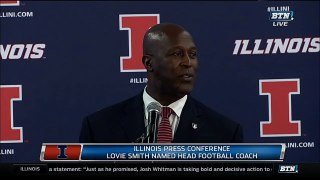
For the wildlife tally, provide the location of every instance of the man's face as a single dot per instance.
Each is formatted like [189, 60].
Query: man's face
[175, 64]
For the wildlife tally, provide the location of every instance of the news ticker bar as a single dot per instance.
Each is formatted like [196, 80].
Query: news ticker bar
[163, 152]
[160, 169]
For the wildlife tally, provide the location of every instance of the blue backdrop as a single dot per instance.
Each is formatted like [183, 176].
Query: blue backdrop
[64, 59]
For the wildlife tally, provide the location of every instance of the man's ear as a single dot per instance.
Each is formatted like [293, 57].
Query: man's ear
[146, 60]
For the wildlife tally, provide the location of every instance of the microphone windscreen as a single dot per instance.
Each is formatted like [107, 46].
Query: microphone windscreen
[154, 106]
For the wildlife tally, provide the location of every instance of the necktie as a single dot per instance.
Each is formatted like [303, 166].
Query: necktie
[165, 130]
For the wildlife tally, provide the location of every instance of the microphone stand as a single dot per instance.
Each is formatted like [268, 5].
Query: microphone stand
[140, 139]
[151, 130]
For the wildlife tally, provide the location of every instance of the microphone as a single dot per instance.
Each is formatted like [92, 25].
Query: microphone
[154, 110]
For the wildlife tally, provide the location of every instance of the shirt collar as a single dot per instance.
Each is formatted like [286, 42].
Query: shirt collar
[176, 106]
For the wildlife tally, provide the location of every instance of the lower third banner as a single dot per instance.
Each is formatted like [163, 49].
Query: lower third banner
[163, 152]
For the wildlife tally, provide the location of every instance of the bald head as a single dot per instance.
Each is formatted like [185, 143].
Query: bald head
[160, 34]
[170, 58]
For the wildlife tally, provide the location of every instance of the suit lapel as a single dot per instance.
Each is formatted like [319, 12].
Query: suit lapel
[189, 123]
[133, 118]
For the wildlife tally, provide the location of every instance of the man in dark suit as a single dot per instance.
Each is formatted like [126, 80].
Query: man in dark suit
[170, 58]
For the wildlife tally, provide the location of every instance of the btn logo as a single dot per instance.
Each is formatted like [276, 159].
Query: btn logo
[61, 152]
[288, 169]
[280, 16]
[9, 3]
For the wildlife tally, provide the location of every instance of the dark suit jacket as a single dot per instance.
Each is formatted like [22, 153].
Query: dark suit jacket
[124, 123]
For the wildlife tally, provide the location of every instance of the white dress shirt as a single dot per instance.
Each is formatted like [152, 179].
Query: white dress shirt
[176, 106]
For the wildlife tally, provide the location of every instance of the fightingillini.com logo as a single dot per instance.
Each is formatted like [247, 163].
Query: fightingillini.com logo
[9, 3]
